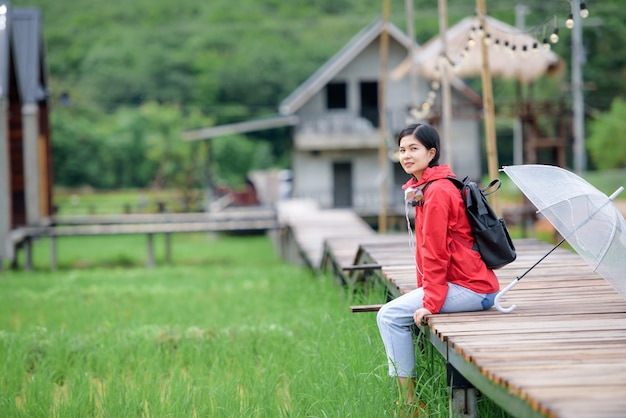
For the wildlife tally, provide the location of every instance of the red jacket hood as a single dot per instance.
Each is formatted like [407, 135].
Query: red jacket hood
[431, 173]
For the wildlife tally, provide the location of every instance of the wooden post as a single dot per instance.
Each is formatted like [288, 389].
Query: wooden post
[488, 107]
[32, 179]
[28, 254]
[5, 179]
[382, 91]
[168, 247]
[150, 260]
[463, 403]
[53, 252]
[446, 94]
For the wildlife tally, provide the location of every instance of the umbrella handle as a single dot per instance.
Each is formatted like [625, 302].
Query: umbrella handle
[616, 192]
[496, 301]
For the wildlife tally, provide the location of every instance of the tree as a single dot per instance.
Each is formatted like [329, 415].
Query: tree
[606, 142]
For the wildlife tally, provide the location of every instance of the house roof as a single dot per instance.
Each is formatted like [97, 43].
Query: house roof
[28, 54]
[21, 42]
[524, 67]
[240, 127]
[339, 61]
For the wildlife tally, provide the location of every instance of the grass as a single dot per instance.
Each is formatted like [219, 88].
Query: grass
[228, 330]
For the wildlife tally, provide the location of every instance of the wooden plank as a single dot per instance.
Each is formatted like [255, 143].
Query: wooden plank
[561, 353]
[154, 228]
[568, 332]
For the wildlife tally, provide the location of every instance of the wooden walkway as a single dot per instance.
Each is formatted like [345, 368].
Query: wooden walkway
[232, 220]
[561, 353]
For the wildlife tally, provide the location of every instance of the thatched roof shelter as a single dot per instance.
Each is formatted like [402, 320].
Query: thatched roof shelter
[513, 54]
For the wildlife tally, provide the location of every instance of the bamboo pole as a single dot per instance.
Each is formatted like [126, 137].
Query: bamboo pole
[382, 148]
[488, 107]
[410, 27]
[446, 94]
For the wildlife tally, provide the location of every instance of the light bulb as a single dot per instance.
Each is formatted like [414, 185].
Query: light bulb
[584, 12]
[546, 44]
[554, 38]
[569, 23]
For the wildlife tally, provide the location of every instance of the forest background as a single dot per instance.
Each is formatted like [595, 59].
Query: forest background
[127, 77]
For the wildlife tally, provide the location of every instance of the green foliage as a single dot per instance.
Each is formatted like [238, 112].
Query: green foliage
[132, 147]
[606, 143]
[233, 61]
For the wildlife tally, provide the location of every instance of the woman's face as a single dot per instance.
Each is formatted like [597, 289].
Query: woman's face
[413, 155]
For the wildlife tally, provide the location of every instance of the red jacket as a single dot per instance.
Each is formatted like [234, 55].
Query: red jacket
[444, 241]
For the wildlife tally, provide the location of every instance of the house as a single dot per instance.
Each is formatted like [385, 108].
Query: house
[25, 151]
[335, 158]
[335, 119]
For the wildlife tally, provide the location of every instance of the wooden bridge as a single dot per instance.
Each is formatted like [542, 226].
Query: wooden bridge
[251, 219]
[561, 353]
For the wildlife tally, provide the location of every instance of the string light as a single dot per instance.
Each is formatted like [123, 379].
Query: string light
[584, 12]
[554, 38]
[422, 111]
[569, 23]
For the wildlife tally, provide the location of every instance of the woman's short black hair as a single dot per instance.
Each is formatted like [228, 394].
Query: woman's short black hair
[427, 135]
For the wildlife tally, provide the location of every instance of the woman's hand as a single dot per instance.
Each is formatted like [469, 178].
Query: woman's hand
[419, 315]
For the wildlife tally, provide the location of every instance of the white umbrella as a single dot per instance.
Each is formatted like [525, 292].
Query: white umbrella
[584, 216]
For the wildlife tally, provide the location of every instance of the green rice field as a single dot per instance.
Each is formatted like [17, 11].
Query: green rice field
[227, 330]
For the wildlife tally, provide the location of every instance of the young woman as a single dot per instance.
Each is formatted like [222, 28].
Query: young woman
[451, 277]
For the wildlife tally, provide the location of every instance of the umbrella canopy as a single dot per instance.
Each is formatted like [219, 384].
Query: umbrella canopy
[513, 54]
[584, 216]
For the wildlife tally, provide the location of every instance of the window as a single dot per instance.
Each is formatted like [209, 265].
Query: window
[336, 95]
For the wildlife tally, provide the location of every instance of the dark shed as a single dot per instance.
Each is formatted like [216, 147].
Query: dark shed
[25, 151]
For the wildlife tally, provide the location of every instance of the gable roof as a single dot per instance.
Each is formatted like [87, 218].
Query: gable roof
[4, 50]
[522, 67]
[22, 47]
[28, 54]
[339, 61]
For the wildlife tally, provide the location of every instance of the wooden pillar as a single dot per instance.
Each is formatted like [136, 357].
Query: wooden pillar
[150, 260]
[30, 143]
[382, 117]
[446, 93]
[488, 107]
[5, 188]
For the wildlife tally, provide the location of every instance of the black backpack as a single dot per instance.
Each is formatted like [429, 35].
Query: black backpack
[492, 239]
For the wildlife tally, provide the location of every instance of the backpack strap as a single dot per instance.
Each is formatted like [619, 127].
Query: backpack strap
[494, 183]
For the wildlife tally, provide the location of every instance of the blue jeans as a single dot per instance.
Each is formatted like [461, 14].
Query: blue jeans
[395, 320]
